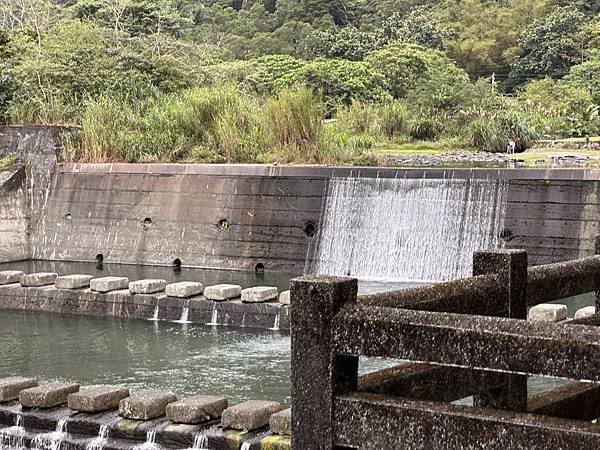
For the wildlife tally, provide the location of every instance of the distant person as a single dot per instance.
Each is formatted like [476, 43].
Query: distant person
[512, 146]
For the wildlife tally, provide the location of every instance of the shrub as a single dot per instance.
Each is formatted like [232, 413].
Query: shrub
[386, 120]
[425, 128]
[340, 82]
[493, 132]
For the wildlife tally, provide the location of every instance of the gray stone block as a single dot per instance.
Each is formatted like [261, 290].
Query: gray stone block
[10, 276]
[11, 387]
[47, 395]
[147, 405]
[546, 312]
[97, 399]
[281, 422]
[259, 294]
[221, 292]
[38, 279]
[249, 415]
[284, 297]
[73, 282]
[583, 313]
[147, 286]
[184, 289]
[108, 284]
[197, 409]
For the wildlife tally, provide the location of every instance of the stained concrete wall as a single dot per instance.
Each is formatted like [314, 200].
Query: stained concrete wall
[14, 242]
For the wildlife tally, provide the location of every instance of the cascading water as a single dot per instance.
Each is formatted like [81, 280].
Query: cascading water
[200, 442]
[51, 441]
[245, 446]
[101, 440]
[214, 320]
[155, 314]
[13, 438]
[277, 321]
[408, 229]
[185, 313]
[150, 443]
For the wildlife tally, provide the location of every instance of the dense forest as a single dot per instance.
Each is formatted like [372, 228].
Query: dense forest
[299, 80]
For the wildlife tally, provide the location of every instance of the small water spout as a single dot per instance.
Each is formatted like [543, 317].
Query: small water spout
[215, 315]
[243, 324]
[51, 441]
[275, 326]
[101, 440]
[155, 315]
[13, 437]
[200, 442]
[245, 446]
[150, 443]
[185, 313]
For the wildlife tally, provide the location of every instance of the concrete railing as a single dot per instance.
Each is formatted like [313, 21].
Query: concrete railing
[465, 338]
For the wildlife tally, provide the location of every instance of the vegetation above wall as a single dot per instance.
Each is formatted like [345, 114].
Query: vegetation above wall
[299, 81]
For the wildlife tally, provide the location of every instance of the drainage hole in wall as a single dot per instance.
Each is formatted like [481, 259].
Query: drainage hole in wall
[259, 268]
[68, 217]
[223, 224]
[147, 222]
[506, 235]
[310, 229]
[99, 258]
[176, 266]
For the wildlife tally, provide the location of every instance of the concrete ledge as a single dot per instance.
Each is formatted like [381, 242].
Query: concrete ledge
[249, 415]
[73, 282]
[259, 294]
[281, 422]
[38, 279]
[222, 292]
[47, 395]
[108, 284]
[197, 409]
[184, 289]
[11, 387]
[10, 276]
[147, 286]
[547, 312]
[98, 399]
[147, 405]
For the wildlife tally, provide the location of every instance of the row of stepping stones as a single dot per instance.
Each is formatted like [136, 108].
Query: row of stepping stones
[182, 289]
[555, 312]
[147, 405]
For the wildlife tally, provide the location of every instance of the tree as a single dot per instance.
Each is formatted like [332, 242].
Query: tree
[550, 46]
[417, 27]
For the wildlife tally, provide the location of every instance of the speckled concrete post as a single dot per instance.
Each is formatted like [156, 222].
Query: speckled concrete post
[597, 293]
[511, 266]
[317, 374]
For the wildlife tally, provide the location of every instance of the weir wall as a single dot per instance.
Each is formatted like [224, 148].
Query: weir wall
[244, 216]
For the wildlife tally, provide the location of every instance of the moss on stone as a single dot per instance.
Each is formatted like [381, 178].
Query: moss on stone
[276, 443]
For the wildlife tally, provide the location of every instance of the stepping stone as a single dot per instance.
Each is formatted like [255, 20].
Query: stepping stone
[147, 405]
[98, 399]
[73, 282]
[108, 284]
[221, 292]
[546, 312]
[11, 387]
[259, 294]
[47, 395]
[38, 279]
[10, 276]
[583, 313]
[147, 286]
[249, 415]
[284, 298]
[197, 409]
[184, 289]
[281, 422]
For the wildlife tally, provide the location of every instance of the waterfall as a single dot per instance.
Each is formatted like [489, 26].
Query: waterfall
[215, 315]
[51, 441]
[101, 440]
[150, 443]
[200, 442]
[13, 438]
[275, 326]
[155, 315]
[245, 446]
[185, 312]
[408, 229]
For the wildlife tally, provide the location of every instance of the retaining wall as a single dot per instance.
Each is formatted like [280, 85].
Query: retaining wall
[13, 216]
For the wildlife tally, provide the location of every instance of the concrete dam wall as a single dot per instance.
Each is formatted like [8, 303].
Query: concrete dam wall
[245, 216]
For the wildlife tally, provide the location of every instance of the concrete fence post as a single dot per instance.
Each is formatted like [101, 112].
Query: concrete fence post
[318, 374]
[511, 266]
[597, 293]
